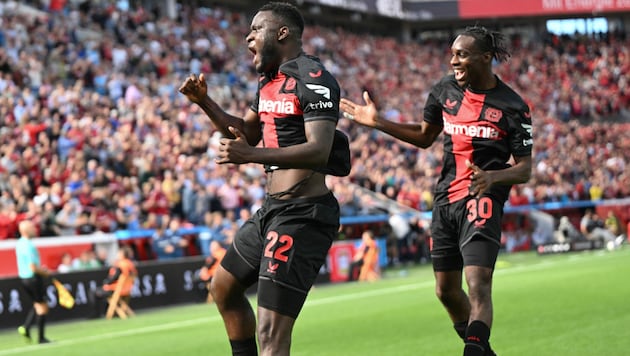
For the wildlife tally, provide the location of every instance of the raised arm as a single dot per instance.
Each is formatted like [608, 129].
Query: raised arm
[196, 90]
[420, 134]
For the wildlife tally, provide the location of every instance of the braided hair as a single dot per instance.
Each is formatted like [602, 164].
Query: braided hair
[489, 41]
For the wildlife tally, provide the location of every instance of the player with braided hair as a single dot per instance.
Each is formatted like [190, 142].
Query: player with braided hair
[487, 148]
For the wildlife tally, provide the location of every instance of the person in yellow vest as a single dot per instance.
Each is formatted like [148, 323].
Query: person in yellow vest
[123, 266]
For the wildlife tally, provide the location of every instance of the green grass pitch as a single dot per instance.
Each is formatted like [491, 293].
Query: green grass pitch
[570, 304]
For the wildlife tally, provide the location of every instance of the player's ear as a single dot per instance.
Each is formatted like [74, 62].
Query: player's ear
[488, 56]
[283, 32]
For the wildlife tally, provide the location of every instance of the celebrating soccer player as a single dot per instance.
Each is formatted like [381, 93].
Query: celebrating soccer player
[283, 246]
[485, 124]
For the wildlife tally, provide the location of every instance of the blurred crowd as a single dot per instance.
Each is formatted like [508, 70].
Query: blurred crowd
[95, 137]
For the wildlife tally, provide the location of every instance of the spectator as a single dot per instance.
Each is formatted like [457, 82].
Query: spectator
[86, 223]
[567, 232]
[168, 243]
[68, 218]
[8, 221]
[49, 226]
[128, 213]
[612, 223]
[401, 229]
[66, 264]
[86, 261]
[593, 228]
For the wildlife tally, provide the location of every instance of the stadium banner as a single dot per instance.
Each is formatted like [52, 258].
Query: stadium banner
[400, 9]
[469, 9]
[158, 284]
[339, 260]
[562, 247]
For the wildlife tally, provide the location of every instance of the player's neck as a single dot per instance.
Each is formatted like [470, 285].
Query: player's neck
[487, 82]
[292, 54]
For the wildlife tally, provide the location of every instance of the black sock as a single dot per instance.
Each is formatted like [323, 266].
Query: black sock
[245, 347]
[460, 328]
[29, 319]
[477, 336]
[41, 322]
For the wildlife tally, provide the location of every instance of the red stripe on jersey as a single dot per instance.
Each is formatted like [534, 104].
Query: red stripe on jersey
[466, 117]
[274, 105]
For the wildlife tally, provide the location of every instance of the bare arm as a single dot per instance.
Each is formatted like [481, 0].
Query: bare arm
[311, 154]
[39, 270]
[419, 134]
[196, 90]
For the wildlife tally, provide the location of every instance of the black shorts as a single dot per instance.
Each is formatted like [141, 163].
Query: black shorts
[34, 288]
[466, 233]
[283, 247]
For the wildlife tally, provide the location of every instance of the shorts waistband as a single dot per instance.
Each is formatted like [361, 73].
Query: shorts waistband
[316, 199]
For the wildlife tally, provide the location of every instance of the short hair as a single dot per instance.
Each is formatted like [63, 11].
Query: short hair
[489, 41]
[288, 13]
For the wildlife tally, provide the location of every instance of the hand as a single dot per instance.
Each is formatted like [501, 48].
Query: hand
[44, 272]
[480, 180]
[195, 88]
[233, 150]
[363, 114]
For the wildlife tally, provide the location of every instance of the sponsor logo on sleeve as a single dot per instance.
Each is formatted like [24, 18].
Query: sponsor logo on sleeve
[320, 89]
[528, 141]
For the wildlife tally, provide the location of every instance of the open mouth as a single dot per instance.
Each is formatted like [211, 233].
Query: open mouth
[254, 52]
[459, 74]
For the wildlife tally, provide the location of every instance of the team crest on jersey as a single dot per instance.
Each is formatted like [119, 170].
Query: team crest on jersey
[493, 115]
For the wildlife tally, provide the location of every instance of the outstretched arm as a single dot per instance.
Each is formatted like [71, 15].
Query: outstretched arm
[196, 90]
[419, 134]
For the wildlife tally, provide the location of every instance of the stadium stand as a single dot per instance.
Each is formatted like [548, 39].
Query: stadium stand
[91, 117]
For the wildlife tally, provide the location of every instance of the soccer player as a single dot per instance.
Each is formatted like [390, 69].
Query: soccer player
[284, 244]
[485, 123]
[32, 275]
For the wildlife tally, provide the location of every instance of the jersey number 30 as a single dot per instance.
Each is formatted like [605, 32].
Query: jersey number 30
[481, 208]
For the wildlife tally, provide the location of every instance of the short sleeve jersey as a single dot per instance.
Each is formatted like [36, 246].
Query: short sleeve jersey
[26, 254]
[302, 90]
[484, 127]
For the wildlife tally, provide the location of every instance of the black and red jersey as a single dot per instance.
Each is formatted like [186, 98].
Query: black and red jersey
[484, 127]
[302, 90]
